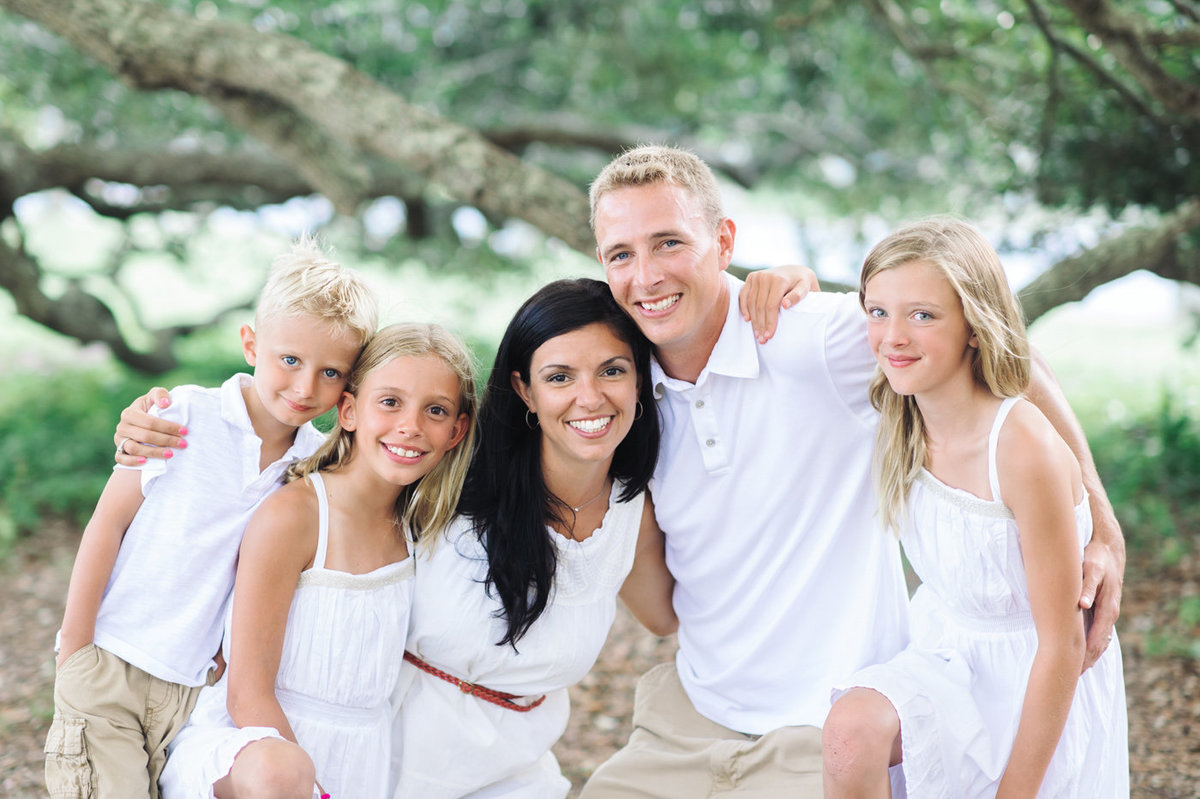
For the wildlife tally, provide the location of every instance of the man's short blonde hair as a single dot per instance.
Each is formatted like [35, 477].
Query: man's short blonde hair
[653, 163]
[305, 281]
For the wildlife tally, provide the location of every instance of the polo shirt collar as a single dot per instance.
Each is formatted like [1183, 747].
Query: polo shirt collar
[233, 404]
[735, 354]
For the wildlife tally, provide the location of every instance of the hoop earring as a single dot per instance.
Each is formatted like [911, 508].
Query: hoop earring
[638, 414]
[535, 420]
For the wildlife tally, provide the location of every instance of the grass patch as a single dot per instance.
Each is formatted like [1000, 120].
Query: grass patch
[1151, 467]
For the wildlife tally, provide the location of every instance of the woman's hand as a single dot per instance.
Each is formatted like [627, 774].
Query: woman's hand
[140, 436]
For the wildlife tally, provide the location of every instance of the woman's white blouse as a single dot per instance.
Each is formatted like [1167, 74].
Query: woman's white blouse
[450, 743]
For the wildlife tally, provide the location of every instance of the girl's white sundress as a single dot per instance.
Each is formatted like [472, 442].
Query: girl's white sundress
[452, 744]
[339, 665]
[959, 686]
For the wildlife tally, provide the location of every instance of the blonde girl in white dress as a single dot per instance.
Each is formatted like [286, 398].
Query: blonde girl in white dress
[515, 599]
[988, 699]
[324, 587]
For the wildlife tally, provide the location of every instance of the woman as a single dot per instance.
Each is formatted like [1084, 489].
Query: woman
[515, 599]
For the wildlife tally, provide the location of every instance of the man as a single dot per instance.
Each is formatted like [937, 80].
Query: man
[784, 581]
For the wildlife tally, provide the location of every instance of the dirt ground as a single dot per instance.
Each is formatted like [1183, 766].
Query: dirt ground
[1163, 689]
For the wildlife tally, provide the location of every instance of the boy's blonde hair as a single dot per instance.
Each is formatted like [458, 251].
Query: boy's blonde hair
[1000, 362]
[305, 281]
[651, 164]
[427, 506]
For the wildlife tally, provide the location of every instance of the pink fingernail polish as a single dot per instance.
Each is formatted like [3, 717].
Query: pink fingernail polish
[162, 403]
[183, 431]
[168, 454]
[182, 444]
[141, 460]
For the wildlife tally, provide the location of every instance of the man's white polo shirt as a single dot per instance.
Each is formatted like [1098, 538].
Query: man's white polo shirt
[785, 583]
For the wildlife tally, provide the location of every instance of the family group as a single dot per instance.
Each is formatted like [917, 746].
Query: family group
[397, 609]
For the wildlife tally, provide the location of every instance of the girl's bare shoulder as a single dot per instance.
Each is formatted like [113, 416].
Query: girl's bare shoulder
[1029, 450]
[286, 521]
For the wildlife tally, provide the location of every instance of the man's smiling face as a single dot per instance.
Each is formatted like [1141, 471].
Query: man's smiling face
[663, 260]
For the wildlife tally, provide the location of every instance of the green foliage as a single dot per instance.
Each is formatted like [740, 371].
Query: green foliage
[1178, 637]
[1150, 468]
[56, 448]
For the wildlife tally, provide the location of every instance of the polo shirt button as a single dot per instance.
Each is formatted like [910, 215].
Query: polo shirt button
[699, 403]
[710, 443]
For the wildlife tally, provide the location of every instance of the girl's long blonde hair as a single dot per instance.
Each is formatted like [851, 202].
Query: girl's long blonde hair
[427, 506]
[1000, 362]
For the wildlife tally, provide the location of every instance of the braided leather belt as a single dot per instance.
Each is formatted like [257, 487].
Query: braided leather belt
[498, 698]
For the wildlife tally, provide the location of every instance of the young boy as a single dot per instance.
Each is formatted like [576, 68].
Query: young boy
[155, 569]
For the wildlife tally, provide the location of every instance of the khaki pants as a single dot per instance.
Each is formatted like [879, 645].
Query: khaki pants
[676, 753]
[112, 723]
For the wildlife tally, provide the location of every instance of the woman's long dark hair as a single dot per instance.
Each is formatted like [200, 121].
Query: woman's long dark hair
[505, 494]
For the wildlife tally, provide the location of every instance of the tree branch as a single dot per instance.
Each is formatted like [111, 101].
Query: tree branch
[173, 178]
[1167, 249]
[76, 313]
[153, 47]
[571, 130]
[1058, 44]
[919, 47]
[327, 164]
[1186, 9]
[1127, 40]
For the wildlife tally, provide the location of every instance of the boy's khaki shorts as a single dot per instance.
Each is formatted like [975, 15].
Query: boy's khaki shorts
[112, 723]
[676, 753]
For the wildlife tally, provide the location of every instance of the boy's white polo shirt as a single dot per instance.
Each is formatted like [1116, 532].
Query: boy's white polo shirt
[784, 582]
[163, 610]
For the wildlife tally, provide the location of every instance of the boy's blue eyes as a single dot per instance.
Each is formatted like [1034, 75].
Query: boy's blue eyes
[330, 374]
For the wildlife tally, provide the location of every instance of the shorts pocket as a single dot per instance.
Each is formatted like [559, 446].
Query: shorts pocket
[68, 771]
[78, 655]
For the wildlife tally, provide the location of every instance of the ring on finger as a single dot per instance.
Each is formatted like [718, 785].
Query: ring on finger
[121, 446]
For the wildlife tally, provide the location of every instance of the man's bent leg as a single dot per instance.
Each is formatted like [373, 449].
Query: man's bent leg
[676, 753]
[784, 762]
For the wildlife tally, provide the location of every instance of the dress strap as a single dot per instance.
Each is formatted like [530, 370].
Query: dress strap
[322, 519]
[1001, 415]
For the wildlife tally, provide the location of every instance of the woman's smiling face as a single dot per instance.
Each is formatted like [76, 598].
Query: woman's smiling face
[583, 387]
